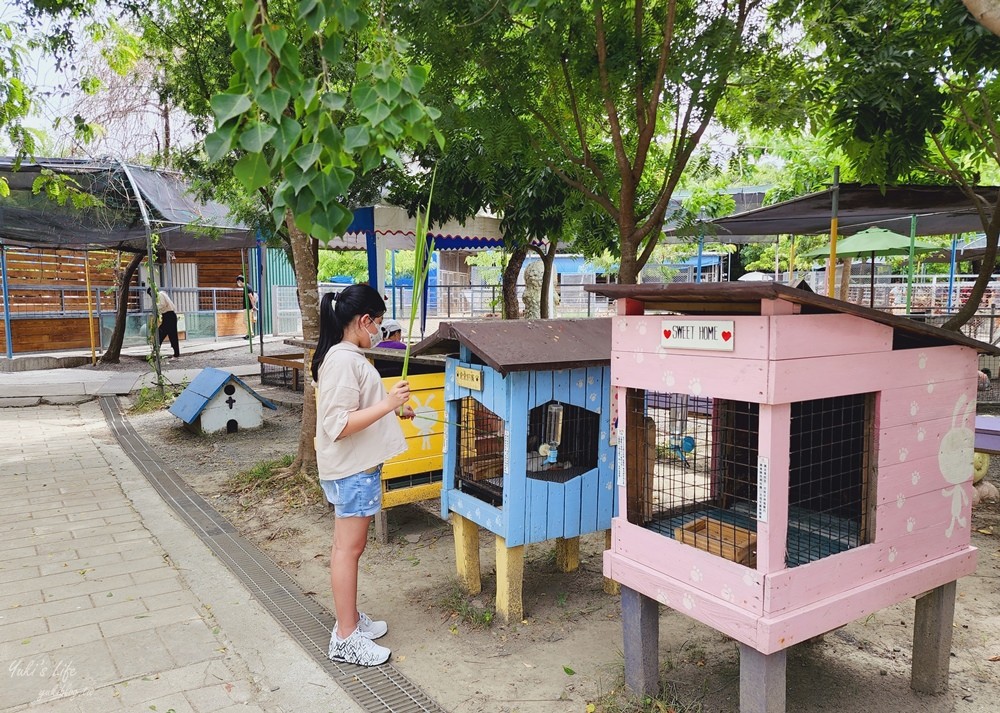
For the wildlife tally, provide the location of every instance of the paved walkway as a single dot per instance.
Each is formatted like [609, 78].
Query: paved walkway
[109, 603]
[76, 385]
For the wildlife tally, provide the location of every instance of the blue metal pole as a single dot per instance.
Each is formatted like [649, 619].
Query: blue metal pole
[6, 301]
[259, 239]
[951, 270]
[392, 260]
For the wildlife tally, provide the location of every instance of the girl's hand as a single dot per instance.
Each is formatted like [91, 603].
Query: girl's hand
[399, 395]
[407, 412]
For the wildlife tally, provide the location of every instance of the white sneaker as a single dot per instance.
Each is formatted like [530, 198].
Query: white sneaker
[357, 649]
[370, 628]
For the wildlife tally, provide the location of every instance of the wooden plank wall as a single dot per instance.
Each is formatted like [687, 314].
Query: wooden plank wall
[217, 268]
[55, 270]
[35, 335]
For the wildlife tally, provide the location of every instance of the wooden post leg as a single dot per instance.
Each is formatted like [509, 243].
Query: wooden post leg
[610, 586]
[932, 624]
[762, 681]
[382, 527]
[641, 636]
[568, 554]
[510, 580]
[467, 553]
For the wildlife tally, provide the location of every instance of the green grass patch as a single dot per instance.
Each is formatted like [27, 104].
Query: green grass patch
[620, 700]
[462, 610]
[263, 476]
[150, 399]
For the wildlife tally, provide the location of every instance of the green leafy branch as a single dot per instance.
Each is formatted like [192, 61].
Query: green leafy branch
[301, 133]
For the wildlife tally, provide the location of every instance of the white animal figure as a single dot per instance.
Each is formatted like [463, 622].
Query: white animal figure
[424, 419]
[955, 460]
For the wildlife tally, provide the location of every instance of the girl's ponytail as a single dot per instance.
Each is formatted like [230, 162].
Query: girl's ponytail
[336, 311]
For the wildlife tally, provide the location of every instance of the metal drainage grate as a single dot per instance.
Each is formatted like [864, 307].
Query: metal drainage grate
[380, 688]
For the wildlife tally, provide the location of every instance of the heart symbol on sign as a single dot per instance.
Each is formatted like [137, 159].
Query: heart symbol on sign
[666, 333]
[726, 336]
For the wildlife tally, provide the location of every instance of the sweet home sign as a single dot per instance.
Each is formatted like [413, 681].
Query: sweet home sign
[712, 334]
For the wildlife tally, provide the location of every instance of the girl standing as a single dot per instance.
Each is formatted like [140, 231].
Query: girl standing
[356, 432]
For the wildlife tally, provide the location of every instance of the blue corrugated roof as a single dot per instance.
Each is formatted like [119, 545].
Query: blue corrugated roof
[205, 386]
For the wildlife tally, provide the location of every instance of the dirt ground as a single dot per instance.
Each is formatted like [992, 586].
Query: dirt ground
[567, 651]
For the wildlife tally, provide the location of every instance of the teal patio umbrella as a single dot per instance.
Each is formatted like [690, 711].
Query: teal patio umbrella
[871, 242]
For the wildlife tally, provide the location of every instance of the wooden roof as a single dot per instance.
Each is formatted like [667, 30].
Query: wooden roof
[525, 344]
[735, 298]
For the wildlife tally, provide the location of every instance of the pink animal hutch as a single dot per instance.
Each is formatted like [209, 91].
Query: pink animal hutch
[790, 463]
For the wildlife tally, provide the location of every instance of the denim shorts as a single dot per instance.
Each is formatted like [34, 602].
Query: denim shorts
[358, 495]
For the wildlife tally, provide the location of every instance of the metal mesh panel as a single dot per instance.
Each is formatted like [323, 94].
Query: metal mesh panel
[480, 451]
[691, 467]
[691, 464]
[562, 441]
[829, 462]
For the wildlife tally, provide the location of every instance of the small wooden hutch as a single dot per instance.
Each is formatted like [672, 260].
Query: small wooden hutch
[529, 444]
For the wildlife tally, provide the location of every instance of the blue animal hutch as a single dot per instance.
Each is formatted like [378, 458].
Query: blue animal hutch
[529, 446]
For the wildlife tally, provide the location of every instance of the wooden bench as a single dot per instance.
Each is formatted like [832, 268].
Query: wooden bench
[293, 361]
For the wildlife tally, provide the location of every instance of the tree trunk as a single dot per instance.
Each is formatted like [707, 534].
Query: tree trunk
[628, 266]
[967, 310]
[986, 13]
[113, 354]
[845, 279]
[511, 309]
[304, 263]
[548, 260]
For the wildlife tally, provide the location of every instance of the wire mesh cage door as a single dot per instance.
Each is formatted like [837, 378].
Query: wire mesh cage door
[480, 466]
[832, 467]
[691, 470]
[562, 441]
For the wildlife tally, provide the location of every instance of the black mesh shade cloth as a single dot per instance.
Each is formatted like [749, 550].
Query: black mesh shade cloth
[182, 220]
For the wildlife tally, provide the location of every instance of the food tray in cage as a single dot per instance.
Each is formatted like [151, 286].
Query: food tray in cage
[735, 543]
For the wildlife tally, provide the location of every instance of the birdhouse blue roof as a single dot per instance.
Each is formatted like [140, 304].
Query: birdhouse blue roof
[203, 389]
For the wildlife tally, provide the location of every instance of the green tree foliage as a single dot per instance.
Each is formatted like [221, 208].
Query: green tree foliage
[612, 97]
[281, 112]
[15, 95]
[909, 90]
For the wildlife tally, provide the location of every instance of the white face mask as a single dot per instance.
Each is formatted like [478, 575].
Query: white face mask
[375, 338]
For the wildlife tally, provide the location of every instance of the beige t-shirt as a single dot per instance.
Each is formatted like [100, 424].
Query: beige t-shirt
[164, 303]
[348, 382]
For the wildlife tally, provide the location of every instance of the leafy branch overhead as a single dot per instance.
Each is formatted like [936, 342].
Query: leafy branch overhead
[306, 115]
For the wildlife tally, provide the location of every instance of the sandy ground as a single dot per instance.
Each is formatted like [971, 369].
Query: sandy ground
[567, 651]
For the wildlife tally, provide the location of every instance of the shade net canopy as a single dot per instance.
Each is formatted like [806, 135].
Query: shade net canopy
[940, 210]
[182, 221]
